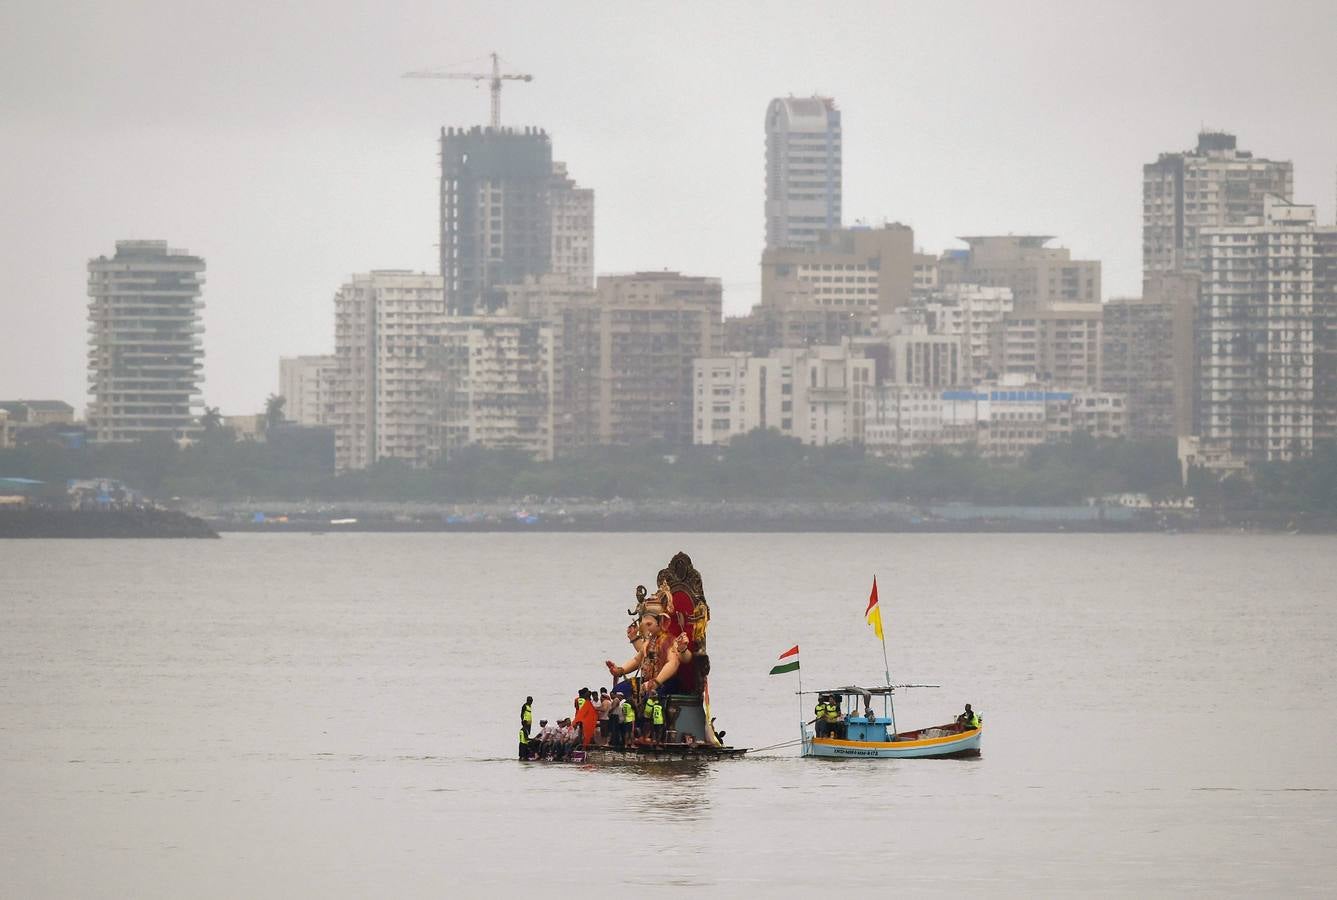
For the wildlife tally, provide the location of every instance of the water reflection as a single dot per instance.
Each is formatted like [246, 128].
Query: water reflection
[676, 791]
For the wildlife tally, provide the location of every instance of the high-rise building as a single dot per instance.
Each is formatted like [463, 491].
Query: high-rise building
[146, 353]
[1059, 345]
[1038, 276]
[306, 384]
[572, 214]
[507, 212]
[1147, 353]
[1325, 334]
[1256, 335]
[816, 394]
[622, 354]
[973, 313]
[1215, 185]
[567, 307]
[769, 327]
[651, 326]
[387, 334]
[496, 384]
[929, 360]
[864, 273]
[803, 175]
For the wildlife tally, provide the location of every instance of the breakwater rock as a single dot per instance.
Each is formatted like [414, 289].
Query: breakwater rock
[41, 522]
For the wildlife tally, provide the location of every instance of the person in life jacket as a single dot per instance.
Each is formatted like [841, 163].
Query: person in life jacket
[969, 718]
[524, 743]
[819, 716]
[628, 722]
[657, 720]
[527, 716]
[834, 723]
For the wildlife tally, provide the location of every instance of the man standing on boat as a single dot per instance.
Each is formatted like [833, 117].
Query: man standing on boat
[819, 716]
[527, 716]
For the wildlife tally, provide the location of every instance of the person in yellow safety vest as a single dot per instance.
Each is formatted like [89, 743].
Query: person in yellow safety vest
[657, 719]
[524, 743]
[527, 715]
[834, 724]
[628, 723]
[819, 716]
[969, 718]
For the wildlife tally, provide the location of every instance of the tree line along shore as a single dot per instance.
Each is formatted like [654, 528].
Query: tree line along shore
[759, 467]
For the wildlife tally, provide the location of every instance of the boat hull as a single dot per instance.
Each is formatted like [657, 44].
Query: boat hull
[965, 743]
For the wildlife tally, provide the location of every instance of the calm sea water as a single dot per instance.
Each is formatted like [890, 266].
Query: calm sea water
[293, 715]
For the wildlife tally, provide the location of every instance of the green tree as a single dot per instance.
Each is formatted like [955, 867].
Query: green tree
[212, 419]
[274, 410]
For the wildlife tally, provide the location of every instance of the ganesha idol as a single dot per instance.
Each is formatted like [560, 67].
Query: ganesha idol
[670, 661]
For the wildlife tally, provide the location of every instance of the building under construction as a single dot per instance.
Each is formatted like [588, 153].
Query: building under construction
[507, 213]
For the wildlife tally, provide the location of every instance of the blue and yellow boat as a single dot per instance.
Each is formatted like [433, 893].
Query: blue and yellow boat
[860, 733]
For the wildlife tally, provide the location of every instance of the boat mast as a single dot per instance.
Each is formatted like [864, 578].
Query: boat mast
[886, 667]
[802, 735]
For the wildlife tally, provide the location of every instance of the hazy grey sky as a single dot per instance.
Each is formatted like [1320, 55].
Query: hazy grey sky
[278, 141]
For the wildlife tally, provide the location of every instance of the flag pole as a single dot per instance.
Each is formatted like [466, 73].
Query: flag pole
[800, 701]
[887, 669]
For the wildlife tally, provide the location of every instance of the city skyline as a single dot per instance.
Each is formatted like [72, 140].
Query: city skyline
[288, 173]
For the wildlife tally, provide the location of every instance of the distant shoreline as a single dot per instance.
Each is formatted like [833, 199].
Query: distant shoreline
[42, 522]
[589, 527]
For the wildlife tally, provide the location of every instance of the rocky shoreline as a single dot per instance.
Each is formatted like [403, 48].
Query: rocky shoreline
[41, 522]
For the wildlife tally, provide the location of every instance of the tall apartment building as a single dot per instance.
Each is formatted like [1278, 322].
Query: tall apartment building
[926, 280]
[622, 353]
[817, 395]
[569, 309]
[145, 351]
[1325, 333]
[496, 384]
[387, 334]
[507, 212]
[572, 214]
[1059, 345]
[803, 174]
[1215, 185]
[973, 313]
[1256, 333]
[864, 273]
[306, 384]
[1147, 353]
[929, 360]
[767, 328]
[650, 327]
[1038, 276]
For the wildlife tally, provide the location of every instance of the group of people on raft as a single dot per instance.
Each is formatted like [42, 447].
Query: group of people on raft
[668, 639]
[619, 724]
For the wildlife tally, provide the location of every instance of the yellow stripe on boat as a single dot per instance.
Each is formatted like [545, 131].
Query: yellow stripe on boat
[924, 742]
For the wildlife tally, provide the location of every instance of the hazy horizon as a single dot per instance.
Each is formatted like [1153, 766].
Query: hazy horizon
[281, 144]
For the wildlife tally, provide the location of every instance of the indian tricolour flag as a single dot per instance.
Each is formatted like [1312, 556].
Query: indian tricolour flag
[788, 662]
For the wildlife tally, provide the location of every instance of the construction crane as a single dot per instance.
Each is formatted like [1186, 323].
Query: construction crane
[495, 78]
